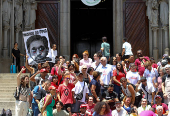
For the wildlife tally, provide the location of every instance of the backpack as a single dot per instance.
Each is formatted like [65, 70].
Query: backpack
[3, 113]
[8, 112]
[41, 104]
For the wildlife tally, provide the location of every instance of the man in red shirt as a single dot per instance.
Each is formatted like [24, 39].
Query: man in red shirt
[64, 91]
[90, 105]
[139, 62]
[83, 108]
[158, 100]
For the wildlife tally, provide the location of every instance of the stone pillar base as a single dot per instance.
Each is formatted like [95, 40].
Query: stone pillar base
[155, 54]
[5, 52]
[166, 51]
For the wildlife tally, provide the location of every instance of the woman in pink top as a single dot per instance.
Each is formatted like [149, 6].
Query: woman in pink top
[159, 80]
[86, 61]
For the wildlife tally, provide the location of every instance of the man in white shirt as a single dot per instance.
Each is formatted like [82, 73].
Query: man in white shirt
[119, 111]
[54, 53]
[79, 87]
[106, 75]
[133, 76]
[127, 49]
[148, 89]
[143, 106]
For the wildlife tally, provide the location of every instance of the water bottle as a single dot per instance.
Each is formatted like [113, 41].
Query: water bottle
[30, 112]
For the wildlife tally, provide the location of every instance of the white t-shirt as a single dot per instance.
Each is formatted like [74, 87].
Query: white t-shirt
[128, 48]
[149, 88]
[140, 109]
[122, 112]
[54, 54]
[150, 74]
[79, 87]
[94, 66]
[133, 77]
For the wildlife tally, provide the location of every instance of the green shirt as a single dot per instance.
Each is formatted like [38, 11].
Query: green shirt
[61, 113]
[106, 47]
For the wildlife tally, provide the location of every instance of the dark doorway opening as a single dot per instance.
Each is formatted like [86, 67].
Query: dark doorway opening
[89, 25]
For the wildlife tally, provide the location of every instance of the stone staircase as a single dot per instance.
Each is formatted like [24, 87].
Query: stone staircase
[8, 83]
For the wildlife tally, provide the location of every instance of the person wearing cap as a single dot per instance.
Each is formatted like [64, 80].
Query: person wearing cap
[158, 100]
[64, 91]
[95, 86]
[80, 86]
[39, 76]
[110, 96]
[119, 111]
[49, 102]
[83, 109]
[148, 89]
[139, 62]
[143, 106]
[106, 70]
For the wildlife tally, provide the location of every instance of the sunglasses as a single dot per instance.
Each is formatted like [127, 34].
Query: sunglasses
[142, 81]
[68, 78]
[84, 68]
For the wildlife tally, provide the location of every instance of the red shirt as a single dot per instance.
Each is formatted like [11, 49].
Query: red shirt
[78, 114]
[56, 86]
[55, 72]
[140, 64]
[90, 108]
[154, 65]
[118, 77]
[66, 93]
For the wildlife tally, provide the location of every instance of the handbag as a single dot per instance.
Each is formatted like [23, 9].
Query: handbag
[79, 96]
[17, 93]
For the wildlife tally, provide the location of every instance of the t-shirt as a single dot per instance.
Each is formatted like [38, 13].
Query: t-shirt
[106, 47]
[165, 107]
[54, 54]
[140, 64]
[78, 88]
[96, 68]
[88, 63]
[133, 77]
[150, 74]
[16, 53]
[79, 114]
[122, 112]
[54, 71]
[128, 48]
[41, 93]
[140, 109]
[66, 93]
[39, 80]
[149, 88]
[118, 77]
[90, 109]
[154, 65]
[35, 93]
[61, 113]
[164, 78]
[97, 84]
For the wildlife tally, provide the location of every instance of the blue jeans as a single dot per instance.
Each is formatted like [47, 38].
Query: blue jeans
[117, 90]
[35, 109]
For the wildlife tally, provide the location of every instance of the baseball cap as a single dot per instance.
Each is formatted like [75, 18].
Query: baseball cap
[83, 105]
[143, 78]
[96, 73]
[157, 96]
[165, 55]
[51, 87]
[79, 74]
[43, 70]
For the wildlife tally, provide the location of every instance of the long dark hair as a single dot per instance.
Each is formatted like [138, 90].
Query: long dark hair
[55, 76]
[98, 108]
[22, 81]
[90, 69]
[111, 60]
[121, 69]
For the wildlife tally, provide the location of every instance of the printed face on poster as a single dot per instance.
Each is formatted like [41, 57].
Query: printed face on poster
[37, 46]
[91, 2]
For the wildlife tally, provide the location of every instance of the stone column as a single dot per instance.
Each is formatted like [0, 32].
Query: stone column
[17, 34]
[155, 43]
[0, 28]
[5, 50]
[165, 28]
[65, 28]
[117, 25]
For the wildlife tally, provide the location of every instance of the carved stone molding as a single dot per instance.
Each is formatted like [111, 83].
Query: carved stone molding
[6, 28]
[165, 28]
[154, 28]
[17, 30]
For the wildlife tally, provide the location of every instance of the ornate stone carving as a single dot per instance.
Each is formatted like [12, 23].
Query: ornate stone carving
[18, 13]
[6, 12]
[152, 11]
[164, 12]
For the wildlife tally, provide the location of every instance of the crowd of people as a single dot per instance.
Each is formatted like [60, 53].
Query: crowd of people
[109, 86]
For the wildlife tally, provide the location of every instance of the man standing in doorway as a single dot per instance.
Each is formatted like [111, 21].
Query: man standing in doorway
[105, 47]
[127, 49]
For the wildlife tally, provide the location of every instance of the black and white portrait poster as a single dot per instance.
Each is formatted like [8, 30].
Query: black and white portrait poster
[37, 46]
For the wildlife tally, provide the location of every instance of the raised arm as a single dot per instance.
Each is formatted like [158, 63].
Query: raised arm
[76, 79]
[28, 67]
[132, 91]
[18, 77]
[93, 87]
[32, 78]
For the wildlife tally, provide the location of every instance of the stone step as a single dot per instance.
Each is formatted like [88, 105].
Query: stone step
[7, 104]
[8, 87]
[8, 84]
[7, 99]
[10, 75]
[7, 90]
[4, 94]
